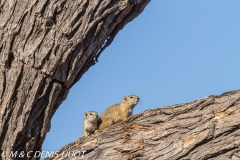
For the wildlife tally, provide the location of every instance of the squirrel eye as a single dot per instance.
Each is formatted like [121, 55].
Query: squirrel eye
[90, 114]
[131, 96]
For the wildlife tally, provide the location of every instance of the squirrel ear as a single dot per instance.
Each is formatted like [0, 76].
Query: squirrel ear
[85, 113]
[125, 97]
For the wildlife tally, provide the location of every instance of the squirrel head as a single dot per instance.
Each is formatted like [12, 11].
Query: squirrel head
[131, 100]
[91, 116]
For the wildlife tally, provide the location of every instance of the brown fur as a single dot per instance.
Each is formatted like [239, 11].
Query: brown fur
[118, 112]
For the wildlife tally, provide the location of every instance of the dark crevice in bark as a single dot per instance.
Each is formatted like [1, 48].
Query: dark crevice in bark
[29, 33]
[193, 148]
[44, 6]
[88, 39]
[218, 154]
[11, 52]
[12, 11]
[193, 108]
[1, 50]
[46, 75]
[230, 105]
[10, 59]
[53, 18]
[31, 9]
[228, 131]
[73, 32]
[4, 86]
[77, 18]
[95, 10]
[20, 26]
[207, 103]
[1, 7]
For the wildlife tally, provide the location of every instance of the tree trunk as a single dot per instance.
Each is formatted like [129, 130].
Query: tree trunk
[207, 128]
[45, 47]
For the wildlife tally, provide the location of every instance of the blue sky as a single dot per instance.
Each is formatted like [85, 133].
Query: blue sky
[174, 52]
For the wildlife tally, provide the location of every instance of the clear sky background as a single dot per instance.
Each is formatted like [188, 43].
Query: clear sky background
[176, 51]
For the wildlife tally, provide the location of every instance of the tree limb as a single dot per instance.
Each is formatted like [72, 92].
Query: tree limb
[45, 47]
[207, 128]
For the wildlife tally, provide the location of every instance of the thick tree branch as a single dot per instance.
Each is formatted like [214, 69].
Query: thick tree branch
[45, 47]
[207, 128]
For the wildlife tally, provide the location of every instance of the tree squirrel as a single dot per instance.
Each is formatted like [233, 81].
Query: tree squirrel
[118, 112]
[91, 123]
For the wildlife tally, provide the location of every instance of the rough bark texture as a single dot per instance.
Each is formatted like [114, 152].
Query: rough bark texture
[45, 47]
[207, 128]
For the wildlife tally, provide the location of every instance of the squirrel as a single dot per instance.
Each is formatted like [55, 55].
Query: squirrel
[118, 112]
[91, 123]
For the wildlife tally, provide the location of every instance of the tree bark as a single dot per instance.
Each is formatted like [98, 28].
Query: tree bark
[45, 47]
[207, 128]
